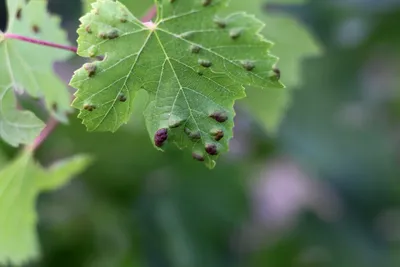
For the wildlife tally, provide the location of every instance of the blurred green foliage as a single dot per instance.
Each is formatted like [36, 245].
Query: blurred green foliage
[340, 208]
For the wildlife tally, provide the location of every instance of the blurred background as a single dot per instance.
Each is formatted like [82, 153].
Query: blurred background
[312, 178]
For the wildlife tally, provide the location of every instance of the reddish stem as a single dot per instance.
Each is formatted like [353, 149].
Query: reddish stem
[50, 126]
[39, 42]
[150, 14]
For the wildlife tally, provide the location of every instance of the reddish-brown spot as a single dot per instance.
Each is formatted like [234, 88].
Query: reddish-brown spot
[219, 116]
[160, 137]
[211, 149]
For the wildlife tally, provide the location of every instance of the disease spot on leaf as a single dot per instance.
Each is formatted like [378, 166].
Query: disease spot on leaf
[54, 107]
[171, 1]
[90, 68]
[92, 51]
[277, 72]
[89, 107]
[35, 29]
[217, 133]
[205, 63]
[193, 135]
[211, 149]
[219, 116]
[235, 33]
[195, 49]
[248, 65]
[88, 29]
[198, 156]
[112, 34]
[18, 14]
[96, 11]
[206, 2]
[220, 22]
[160, 137]
[122, 98]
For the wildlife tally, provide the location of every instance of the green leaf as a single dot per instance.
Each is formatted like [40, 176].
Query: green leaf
[29, 67]
[138, 8]
[192, 63]
[21, 181]
[293, 42]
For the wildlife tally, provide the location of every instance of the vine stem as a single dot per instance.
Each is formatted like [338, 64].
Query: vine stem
[39, 42]
[52, 122]
[50, 126]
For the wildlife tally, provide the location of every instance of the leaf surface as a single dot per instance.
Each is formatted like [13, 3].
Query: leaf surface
[293, 42]
[26, 67]
[192, 63]
[138, 8]
[21, 181]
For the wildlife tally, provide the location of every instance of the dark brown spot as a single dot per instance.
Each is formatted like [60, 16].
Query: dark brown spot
[218, 134]
[35, 29]
[122, 98]
[235, 33]
[88, 29]
[54, 107]
[90, 68]
[89, 107]
[219, 116]
[206, 2]
[248, 65]
[198, 156]
[205, 63]
[200, 73]
[195, 49]
[277, 72]
[18, 14]
[211, 149]
[160, 137]
[171, 1]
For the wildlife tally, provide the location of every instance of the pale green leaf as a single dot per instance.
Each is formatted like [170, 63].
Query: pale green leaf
[293, 42]
[192, 63]
[29, 67]
[21, 181]
[137, 7]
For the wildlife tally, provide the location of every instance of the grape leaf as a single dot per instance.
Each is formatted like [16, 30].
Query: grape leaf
[28, 67]
[21, 181]
[136, 7]
[192, 63]
[293, 43]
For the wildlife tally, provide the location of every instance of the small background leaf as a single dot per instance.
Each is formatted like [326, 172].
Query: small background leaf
[21, 181]
[29, 67]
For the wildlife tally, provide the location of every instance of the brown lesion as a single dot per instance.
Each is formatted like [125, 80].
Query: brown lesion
[18, 15]
[35, 28]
